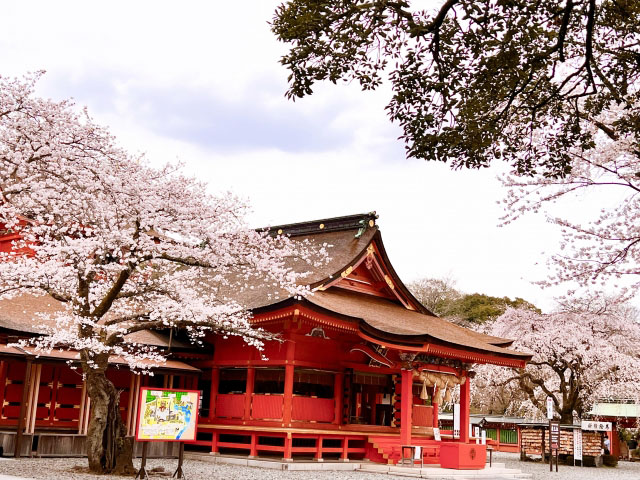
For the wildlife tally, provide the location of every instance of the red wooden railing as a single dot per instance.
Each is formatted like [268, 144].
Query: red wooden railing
[230, 405]
[267, 407]
[313, 409]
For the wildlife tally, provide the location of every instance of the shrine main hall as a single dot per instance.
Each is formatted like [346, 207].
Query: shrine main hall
[360, 369]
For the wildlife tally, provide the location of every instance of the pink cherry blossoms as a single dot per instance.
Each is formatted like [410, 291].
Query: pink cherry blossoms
[601, 233]
[578, 358]
[121, 245]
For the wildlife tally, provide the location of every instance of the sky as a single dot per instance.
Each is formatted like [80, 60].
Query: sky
[201, 83]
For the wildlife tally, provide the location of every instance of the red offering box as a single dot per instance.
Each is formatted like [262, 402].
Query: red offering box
[463, 456]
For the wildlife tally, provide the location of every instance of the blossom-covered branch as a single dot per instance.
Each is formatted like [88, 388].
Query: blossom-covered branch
[607, 247]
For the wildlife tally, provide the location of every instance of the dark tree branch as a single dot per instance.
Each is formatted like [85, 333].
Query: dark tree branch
[588, 56]
[112, 294]
[566, 18]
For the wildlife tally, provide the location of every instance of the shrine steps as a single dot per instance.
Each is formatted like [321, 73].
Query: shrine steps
[387, 450]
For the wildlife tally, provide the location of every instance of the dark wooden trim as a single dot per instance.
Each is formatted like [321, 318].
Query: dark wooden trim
[23, 407]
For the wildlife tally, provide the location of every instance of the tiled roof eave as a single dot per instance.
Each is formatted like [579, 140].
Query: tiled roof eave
[438, 347]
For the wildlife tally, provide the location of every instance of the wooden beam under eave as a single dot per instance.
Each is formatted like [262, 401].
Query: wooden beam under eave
[449, 352]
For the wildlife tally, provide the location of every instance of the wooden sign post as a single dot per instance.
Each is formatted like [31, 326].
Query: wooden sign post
[549, 417]
[166, 415]
[554, 434]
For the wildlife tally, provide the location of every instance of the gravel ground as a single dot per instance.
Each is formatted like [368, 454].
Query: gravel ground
[75, 469]
[540, 471]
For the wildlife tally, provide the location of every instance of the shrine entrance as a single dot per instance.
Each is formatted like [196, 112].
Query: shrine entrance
[371, 397]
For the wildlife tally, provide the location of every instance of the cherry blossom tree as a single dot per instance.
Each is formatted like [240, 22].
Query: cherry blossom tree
[124, 247]
[579, 356]
[604, 245]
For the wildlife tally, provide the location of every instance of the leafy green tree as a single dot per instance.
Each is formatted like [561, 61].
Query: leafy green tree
[481, 308]
[437, 294]
[477, 80]
[441, 297]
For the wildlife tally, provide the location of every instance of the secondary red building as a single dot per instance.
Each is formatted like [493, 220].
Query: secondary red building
[360, 370]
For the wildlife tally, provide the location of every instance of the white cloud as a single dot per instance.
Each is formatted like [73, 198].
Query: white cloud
[161, 74]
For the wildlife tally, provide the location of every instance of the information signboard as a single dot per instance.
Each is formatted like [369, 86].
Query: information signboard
[555, 435]
[436, 435]
[456, 420]
[167, 414]
[577, 444]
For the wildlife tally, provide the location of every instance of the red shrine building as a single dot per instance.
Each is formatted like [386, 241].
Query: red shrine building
[362, 367]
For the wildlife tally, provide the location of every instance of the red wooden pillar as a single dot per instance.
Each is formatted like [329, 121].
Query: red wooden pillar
[55, 382]
[3, 383]
[371, 401]
[338, 397]
[214, 442]
[345, 449]
[288, 447]
[213, 392]
[23, 408]
[435, 407]
[251, 376]
[614, 441]
[465, 400]
[253, 452]
[318, 455]
[406, 407]
[288, 397]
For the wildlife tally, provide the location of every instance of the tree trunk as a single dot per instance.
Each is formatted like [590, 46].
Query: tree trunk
[566, 417]
[108, 448]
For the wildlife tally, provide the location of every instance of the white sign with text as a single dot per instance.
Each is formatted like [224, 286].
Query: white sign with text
[577, 444]
[456, 420]
[596, 426]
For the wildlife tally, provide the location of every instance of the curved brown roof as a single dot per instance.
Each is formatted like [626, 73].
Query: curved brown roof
[29, 313]
[346, 239]
[343, 248]
[387, 318]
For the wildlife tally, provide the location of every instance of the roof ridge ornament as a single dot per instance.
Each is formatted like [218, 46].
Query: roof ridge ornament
[336, 224]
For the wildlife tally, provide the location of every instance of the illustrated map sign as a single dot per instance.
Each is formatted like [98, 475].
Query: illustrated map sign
[597, 426]
[167, 414]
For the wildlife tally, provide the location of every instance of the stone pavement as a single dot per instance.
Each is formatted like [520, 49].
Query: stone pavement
[497, 472]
